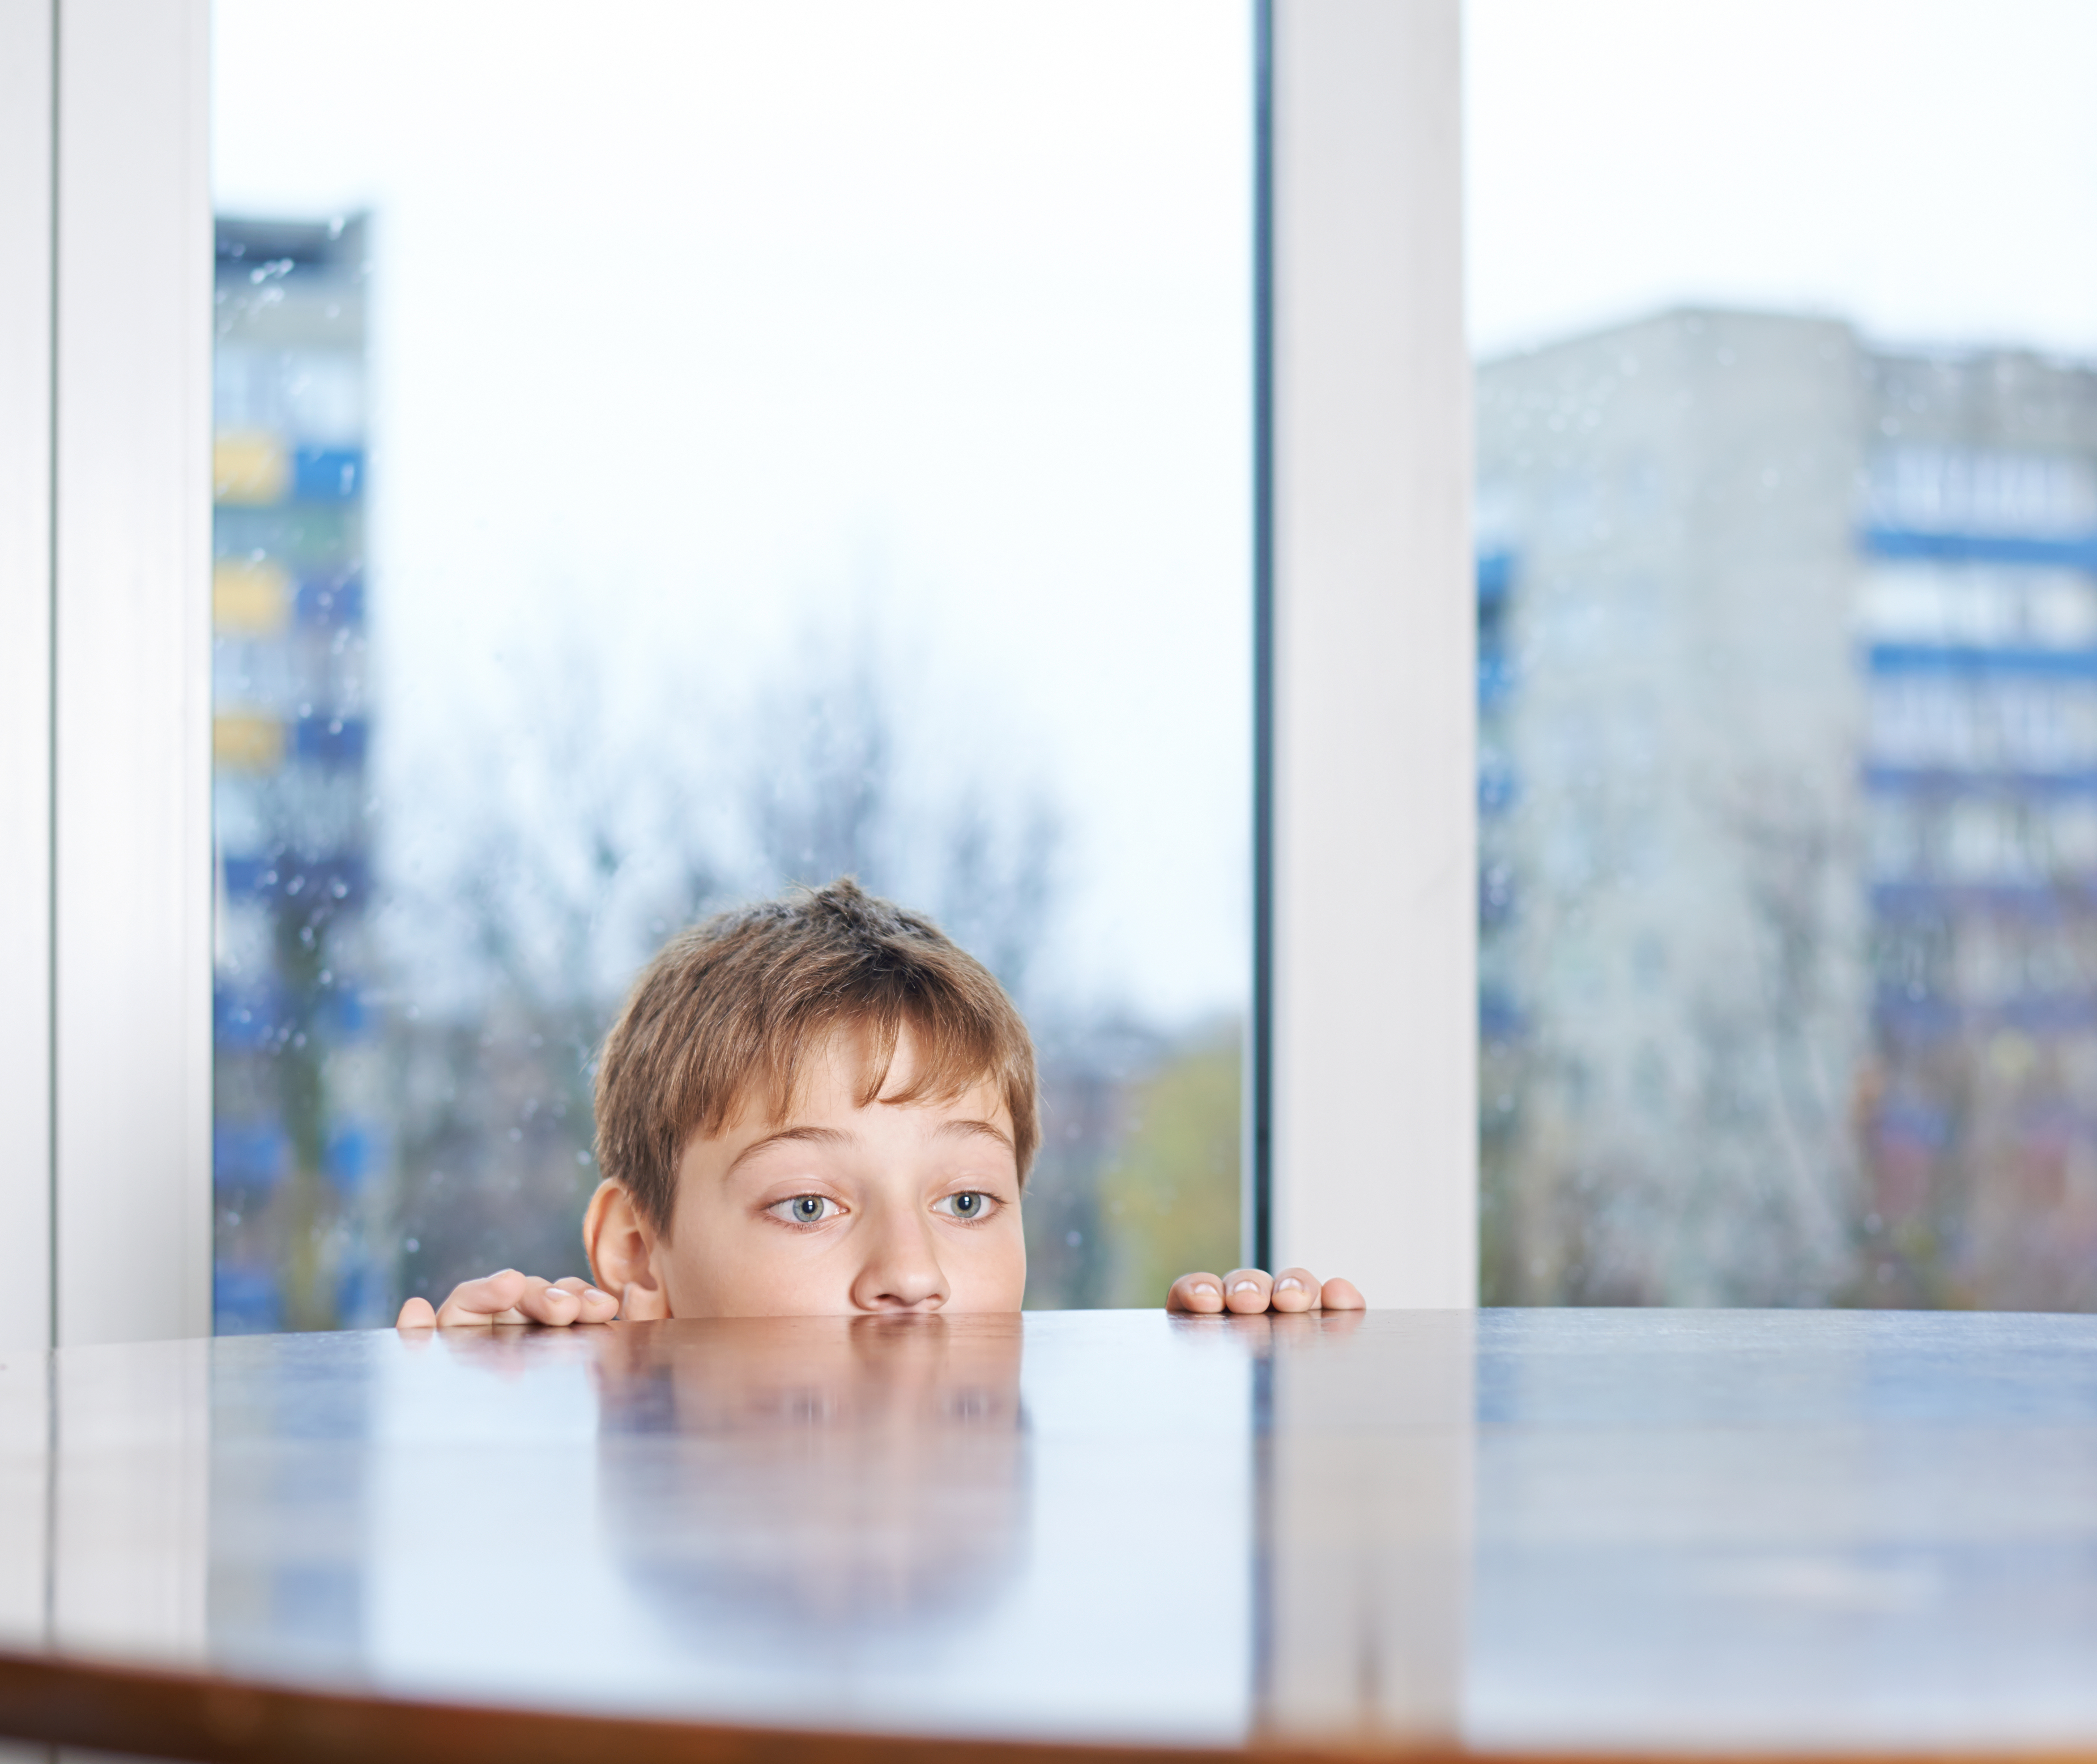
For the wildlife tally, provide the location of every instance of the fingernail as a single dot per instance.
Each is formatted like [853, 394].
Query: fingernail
[1204, 1287]
[1283, 1285]
[1246, 1286]
[591, 1292]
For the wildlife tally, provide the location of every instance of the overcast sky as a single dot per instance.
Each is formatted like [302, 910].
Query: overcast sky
[1927, 167]
[702, 325]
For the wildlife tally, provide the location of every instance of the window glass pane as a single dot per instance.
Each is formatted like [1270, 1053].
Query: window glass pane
[1786, 317]
[665, 453]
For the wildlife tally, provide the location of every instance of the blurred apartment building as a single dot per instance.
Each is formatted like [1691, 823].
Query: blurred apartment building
[295, 1150]
[1788, 795]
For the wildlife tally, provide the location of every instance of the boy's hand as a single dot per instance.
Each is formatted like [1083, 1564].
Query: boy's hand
[510, 1297]
[1248, 1289]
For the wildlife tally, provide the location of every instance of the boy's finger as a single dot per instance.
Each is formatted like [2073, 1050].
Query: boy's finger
[1246, 1289]
[491, 1300]
[546, 1303]
[593, 1305]
[1341, 1295]
[416, 1314]
[1201, 1294]
[598, 1305]
[1295, 1289]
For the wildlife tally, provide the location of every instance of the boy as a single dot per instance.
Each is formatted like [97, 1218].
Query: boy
[817, 1105]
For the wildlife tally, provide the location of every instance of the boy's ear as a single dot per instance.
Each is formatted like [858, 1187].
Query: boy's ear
[622, 1254]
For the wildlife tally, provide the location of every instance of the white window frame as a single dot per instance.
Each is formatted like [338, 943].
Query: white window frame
[25, 666]
[105, 499]
[1372, 1000]
[1363, 1117]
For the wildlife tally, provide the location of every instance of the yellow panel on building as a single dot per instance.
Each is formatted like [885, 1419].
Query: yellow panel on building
[248, 743]
[249, 599]
[250, 467]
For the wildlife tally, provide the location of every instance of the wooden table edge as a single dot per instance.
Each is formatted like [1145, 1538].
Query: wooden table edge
[160, 1713]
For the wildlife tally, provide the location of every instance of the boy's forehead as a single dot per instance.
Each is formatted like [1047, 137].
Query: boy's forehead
[835, 1076]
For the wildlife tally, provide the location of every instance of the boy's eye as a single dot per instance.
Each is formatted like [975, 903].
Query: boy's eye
[805, 1209]
[971, 1204]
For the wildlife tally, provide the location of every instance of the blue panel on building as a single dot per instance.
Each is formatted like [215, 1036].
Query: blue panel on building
[1937, 781]
[2079, 552]
[245, 1300]
[245, 1019]
[1499, 1018]
[253, 1155]
[332, 741]
[2044, 1014]
[1498, 787]
[1915, 1124]
[2014, 900]
[363, 1298]
[1495, 576]
[346, 1017]
[329, 603]
[1496, 678]
[1496, 895]
[1884, 658]
[327, 474]
[344, 880]
[352, 1156]
[2038, 1014]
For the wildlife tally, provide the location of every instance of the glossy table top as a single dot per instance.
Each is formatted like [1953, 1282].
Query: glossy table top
[1579, 1531]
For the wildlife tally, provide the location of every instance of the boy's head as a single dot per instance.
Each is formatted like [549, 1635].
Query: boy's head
[817, 1104]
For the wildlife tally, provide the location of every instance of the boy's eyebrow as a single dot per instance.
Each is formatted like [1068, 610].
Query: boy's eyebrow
[818, 1136]
[984, 1129]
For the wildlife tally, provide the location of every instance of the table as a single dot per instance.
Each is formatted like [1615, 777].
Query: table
[1098, 1534]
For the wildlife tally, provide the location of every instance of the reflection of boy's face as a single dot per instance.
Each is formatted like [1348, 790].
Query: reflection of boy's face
[844, 1207]
[824, 1470]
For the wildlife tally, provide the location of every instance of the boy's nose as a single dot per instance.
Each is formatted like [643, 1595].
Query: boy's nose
[902, 1273]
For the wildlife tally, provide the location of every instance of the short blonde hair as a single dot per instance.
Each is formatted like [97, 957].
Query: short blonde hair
[726, 1015]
